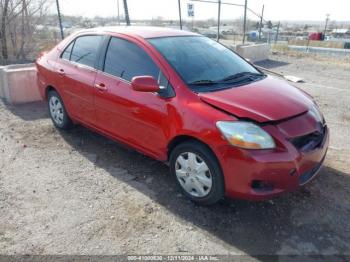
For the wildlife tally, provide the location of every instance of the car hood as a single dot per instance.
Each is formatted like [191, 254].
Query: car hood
[270, 99]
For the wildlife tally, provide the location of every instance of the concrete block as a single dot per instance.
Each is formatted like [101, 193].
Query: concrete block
[1, 81]
[18, 84]
[255, 53]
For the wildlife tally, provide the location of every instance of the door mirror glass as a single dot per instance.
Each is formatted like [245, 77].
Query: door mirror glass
[145, 84]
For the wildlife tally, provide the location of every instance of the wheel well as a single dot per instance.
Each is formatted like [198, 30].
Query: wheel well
[184, 138]
[48, 89]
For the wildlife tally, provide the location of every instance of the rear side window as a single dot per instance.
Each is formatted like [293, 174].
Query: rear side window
[67, 51]
[85, 49]
[126, 60]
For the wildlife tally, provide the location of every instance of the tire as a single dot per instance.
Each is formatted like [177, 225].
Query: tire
[57, 111]
[194, 174]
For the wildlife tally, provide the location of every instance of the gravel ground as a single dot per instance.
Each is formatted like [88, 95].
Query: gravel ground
[77, 192]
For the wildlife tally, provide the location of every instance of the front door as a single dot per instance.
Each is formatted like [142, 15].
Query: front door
[136, 118]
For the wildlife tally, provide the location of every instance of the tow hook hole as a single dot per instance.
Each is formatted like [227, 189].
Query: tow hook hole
[260, 185]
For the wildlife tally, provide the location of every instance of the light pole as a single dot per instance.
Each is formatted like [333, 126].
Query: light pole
[325, 27]
[245, 19]
[118, 12]
[261, 20]
[59, 18]
[179, 1]
[126, 11]
[219, 15]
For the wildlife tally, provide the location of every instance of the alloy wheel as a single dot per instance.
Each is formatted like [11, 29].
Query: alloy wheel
[56, 110]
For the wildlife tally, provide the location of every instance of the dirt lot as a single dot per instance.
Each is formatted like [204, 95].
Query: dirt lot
[79, 193]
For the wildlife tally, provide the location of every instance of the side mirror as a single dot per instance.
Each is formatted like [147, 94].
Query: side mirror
[145, 84]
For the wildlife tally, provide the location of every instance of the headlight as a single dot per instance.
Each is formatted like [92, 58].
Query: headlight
[245, 135]
[316, 113]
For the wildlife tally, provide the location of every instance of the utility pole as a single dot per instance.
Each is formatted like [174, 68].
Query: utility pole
[245, 19]
[278, 29]
[126, 11]
[180, 19]
[118, 12]
[325, 27]
[261, 20]
[59, 18]
[219, 15]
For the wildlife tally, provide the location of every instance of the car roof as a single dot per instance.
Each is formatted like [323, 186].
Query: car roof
[142, 31]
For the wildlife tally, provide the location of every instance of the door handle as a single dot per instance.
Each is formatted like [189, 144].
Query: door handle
[61, 72]
[102, 87]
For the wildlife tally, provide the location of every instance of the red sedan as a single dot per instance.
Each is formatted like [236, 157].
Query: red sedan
[224, 127]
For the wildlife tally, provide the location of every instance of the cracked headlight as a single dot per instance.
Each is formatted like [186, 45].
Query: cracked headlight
[245, 135]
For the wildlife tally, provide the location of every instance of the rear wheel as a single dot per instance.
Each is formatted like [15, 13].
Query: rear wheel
[57, 111]
[197, 172]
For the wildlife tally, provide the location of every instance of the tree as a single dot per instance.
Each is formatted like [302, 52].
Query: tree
[18, 24]
[269, 24]
[257, 25]
[4, 6]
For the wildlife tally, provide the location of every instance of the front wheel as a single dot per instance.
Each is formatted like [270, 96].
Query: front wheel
[197, 172]
[57, 111]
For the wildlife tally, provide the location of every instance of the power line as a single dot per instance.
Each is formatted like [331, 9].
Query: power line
[228, 3]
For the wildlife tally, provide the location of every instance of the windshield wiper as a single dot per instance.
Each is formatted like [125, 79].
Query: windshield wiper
[203, 82]
[241, 75]
[229, 79]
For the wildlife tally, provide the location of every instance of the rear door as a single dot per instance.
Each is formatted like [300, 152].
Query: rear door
[77, 72]
[137, 118]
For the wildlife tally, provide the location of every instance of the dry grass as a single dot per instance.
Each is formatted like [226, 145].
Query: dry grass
[283, 49]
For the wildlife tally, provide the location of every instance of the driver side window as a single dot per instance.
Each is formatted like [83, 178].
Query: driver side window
[125, 59]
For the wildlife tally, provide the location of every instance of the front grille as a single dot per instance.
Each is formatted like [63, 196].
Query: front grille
[310, 141]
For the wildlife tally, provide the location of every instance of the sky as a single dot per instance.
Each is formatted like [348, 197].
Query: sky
[275, 10]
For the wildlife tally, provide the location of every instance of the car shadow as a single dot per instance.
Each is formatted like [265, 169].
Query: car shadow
[270, 64]
[29, 111]
[309, 221]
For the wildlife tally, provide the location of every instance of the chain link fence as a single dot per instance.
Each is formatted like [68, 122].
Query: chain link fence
[28, 27]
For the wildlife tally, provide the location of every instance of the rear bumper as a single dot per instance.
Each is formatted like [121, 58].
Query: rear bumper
[263, 174]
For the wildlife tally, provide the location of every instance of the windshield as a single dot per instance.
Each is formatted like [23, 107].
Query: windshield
[204, 64]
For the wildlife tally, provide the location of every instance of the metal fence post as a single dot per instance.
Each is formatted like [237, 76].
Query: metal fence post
[219, 14]
[59, 18]
[127, 19]
[261, 19]
[245, 19]
[180, 19]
